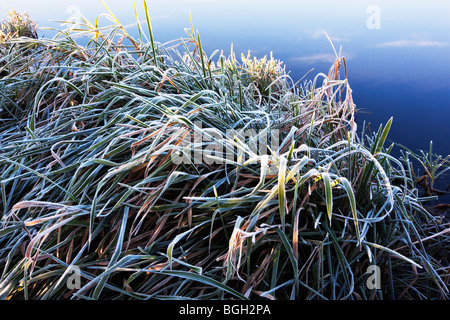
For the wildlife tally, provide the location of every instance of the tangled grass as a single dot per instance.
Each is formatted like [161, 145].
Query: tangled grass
[88, 179]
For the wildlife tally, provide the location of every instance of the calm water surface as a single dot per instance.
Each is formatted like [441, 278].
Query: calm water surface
[397, 52]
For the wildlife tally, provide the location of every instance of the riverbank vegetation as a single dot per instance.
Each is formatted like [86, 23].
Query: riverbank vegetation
[89, 182]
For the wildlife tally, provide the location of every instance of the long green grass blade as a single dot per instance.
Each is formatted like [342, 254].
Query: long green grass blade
[150, 32]
[282, 190]
[328, 194]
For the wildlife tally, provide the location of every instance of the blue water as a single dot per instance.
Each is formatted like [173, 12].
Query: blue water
[398, 54]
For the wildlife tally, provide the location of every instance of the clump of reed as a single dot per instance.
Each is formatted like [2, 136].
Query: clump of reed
[88, 179]
[17, 25]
